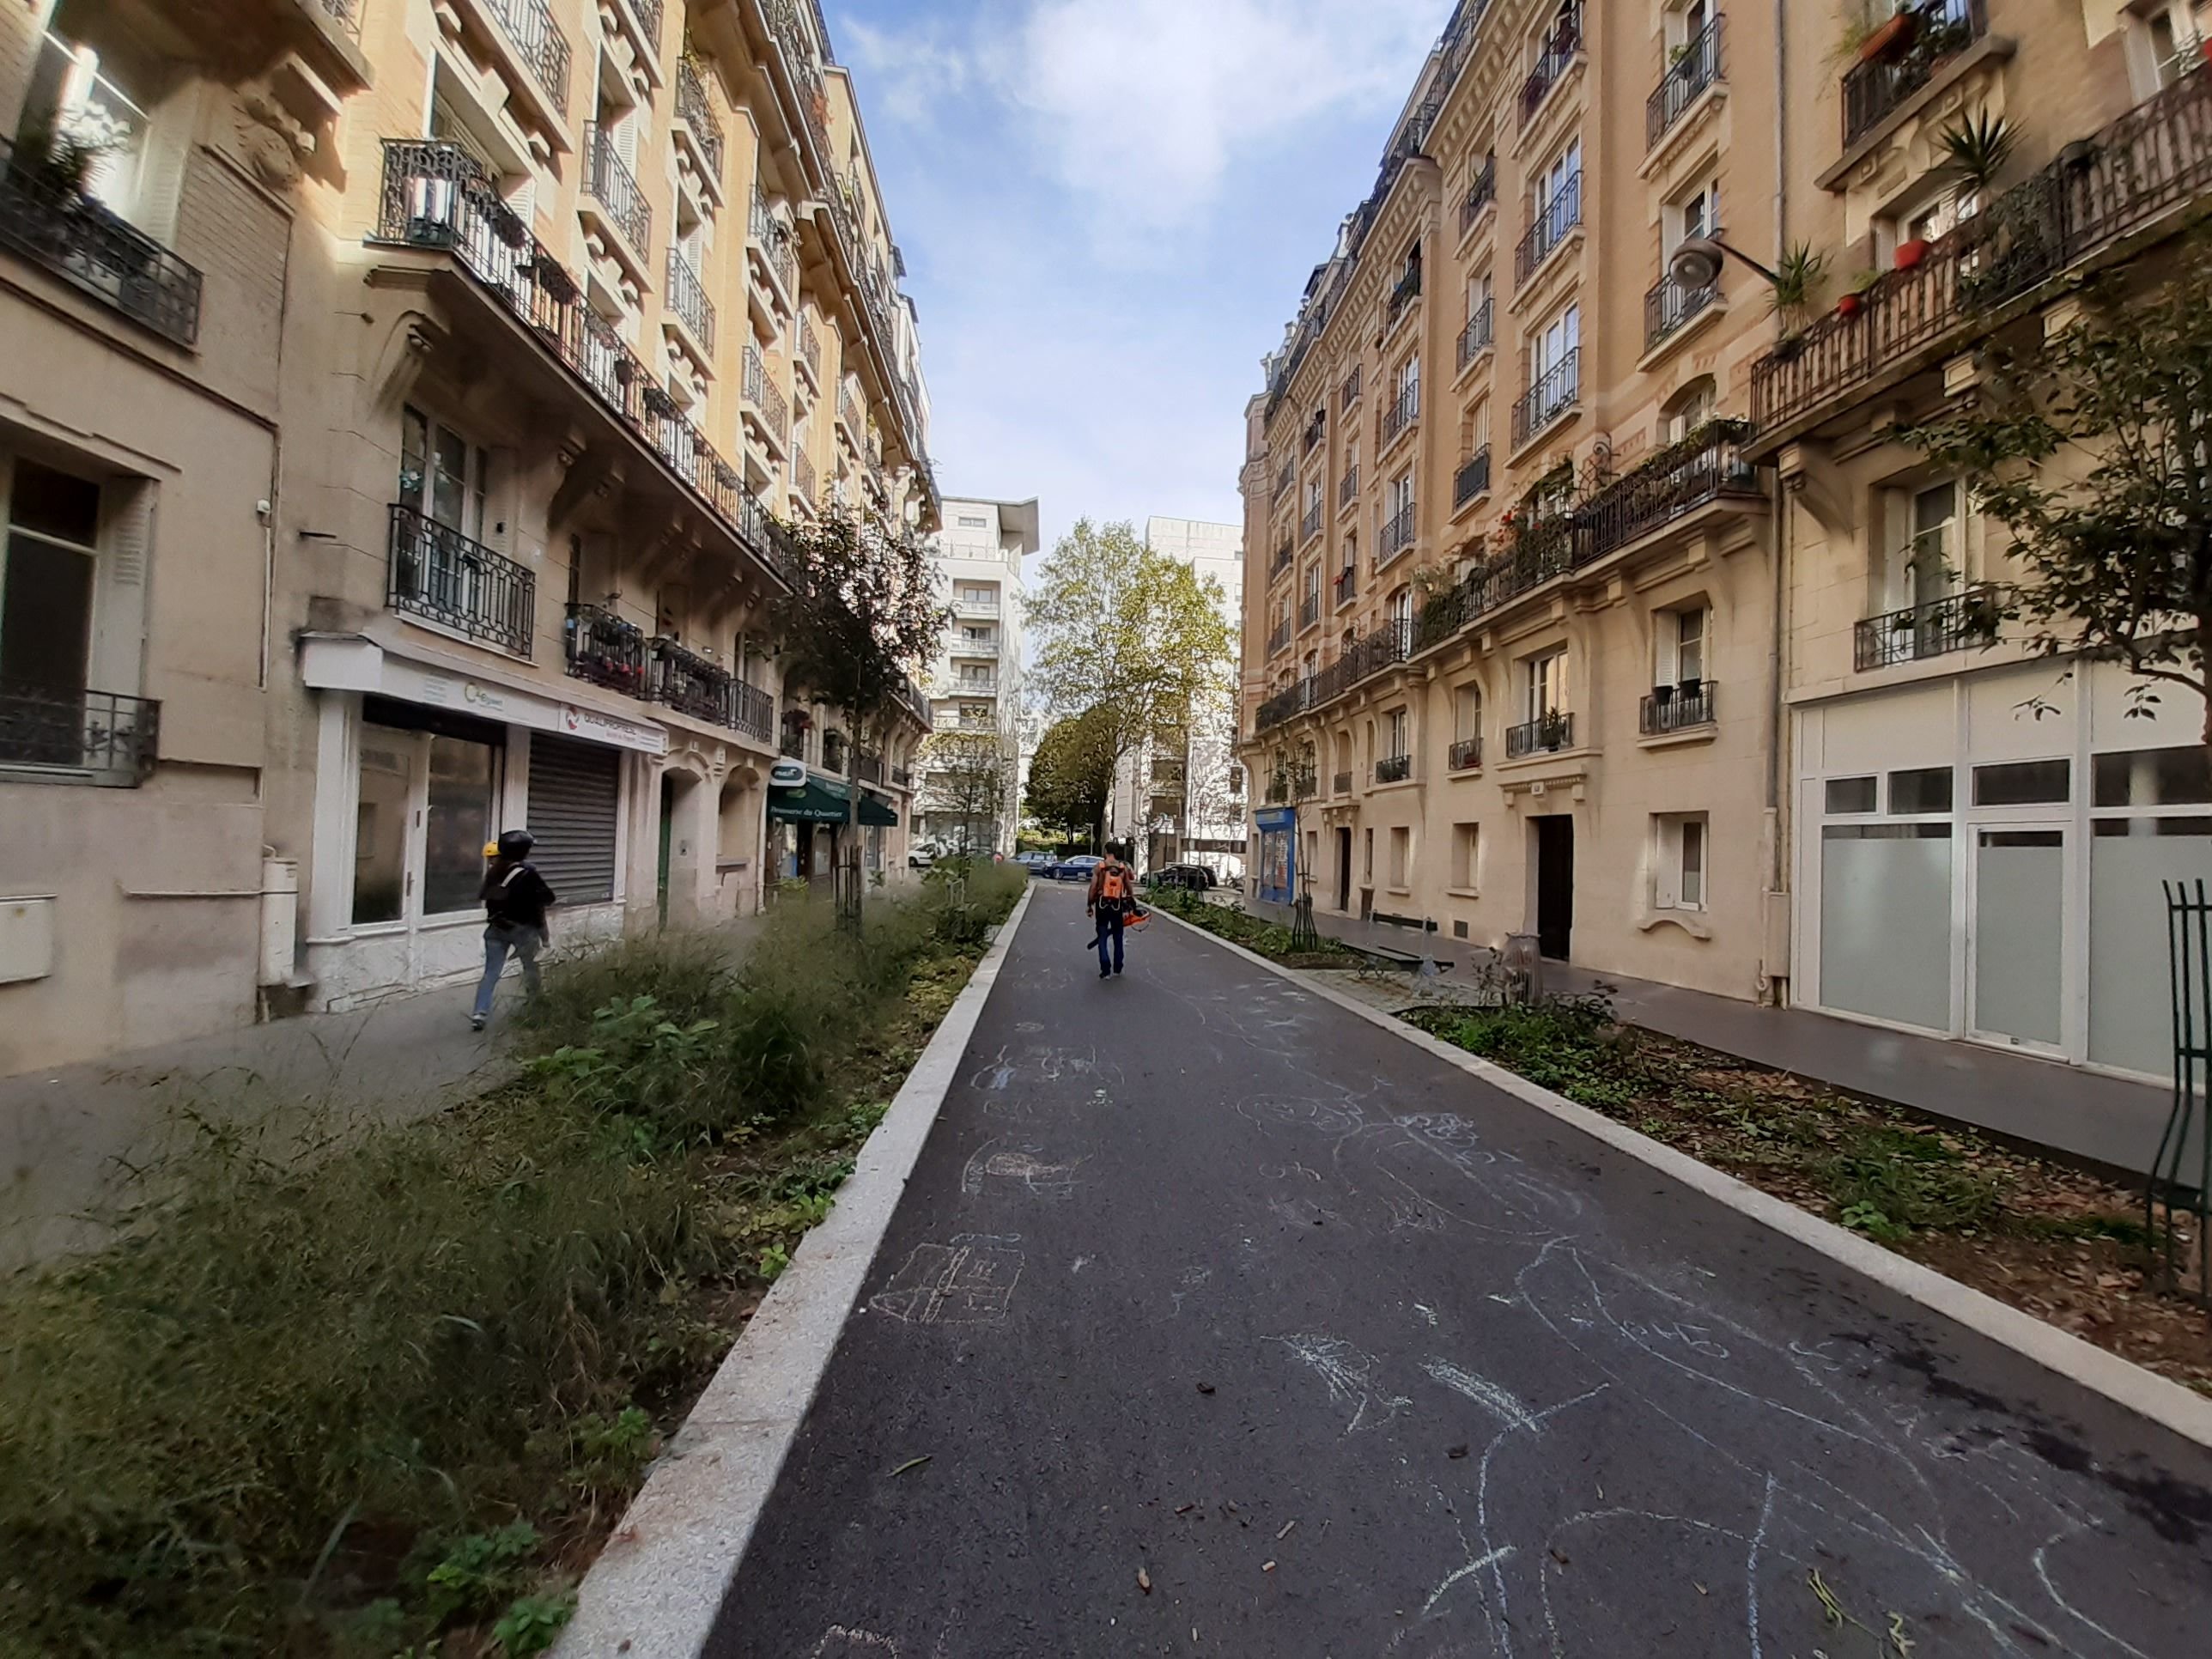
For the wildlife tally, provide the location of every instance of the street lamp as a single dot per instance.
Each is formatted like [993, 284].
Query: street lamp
[1696, 263]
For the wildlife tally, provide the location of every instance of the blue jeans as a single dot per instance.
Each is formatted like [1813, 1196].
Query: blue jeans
[500, 938]
[1110, 926]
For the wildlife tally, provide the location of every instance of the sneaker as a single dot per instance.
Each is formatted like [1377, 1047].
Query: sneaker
[1104, 972]
[1117, 973]
[476, 1021]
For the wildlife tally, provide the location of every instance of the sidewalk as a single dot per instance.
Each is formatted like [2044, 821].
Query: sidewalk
[67, 1133]
[2104, 1119]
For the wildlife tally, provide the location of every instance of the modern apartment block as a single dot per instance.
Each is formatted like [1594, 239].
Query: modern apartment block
[398, 402]
[975, 686]
[1509, 611]
[1646, 634]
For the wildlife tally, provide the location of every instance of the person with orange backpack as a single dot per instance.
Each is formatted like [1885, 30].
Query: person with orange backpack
[1109, 901]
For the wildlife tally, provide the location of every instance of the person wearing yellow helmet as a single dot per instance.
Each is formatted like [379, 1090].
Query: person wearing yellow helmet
[515, 900]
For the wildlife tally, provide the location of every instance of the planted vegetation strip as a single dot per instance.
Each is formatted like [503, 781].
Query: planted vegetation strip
[349, 1400]
[1255, 933]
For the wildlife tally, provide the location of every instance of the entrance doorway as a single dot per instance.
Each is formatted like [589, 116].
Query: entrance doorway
[2016, 982]
[1555, 885]
[667, 840]
[1344, 868]
[428, 801]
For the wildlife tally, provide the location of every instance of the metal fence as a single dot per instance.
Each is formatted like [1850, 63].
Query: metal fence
[1552, 63]
[602, 648]
[436, 573]
[1553, 218]
[1955, 623]
[98, 736]
[1677, 707]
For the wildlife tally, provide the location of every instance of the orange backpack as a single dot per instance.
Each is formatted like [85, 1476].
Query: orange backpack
[1112, 884]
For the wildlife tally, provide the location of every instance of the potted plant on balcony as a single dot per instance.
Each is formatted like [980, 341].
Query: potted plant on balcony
[1852, 300]
[559, 287]
[506, 225]
[1797, 277]
[1551, 730]
[1886, 39]
[1910, 252]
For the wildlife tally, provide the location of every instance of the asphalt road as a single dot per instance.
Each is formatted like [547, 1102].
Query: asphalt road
[1230, 1324]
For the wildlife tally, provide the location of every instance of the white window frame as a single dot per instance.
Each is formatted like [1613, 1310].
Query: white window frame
[1683, 638]
[1544, 679]
[1681, 864]
[1466, 858]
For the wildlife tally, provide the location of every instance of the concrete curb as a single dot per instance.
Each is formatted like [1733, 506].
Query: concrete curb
[2148, 1394]
[657, 1587]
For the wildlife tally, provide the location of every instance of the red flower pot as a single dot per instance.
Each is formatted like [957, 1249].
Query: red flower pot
[1892, 36]
[1849, 306]
[1910, 253]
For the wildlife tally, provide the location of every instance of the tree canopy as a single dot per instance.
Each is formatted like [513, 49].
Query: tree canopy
[1071, 774]
[2093, 449]
[965, 776]
[1126, 635]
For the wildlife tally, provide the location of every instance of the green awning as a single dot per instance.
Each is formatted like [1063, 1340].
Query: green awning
[821, 801]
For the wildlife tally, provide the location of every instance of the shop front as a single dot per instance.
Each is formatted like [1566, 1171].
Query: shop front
[1278, 828]
[809, 815]
[420, 763]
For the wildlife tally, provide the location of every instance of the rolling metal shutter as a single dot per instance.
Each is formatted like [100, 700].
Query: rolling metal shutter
[574, 791]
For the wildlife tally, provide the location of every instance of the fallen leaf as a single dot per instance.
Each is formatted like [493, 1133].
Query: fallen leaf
[910, 1463]
[1558, 1558]
[1144, 1581]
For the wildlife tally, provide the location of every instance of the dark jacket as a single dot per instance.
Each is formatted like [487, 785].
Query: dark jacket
[515, 893]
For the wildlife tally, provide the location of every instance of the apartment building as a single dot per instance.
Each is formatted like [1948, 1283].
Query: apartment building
[1509, 605]
[1978, 835]
[975, 685]
[400, 405]
[1181, 798]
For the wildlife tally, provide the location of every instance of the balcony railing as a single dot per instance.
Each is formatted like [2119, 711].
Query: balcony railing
[1394, 769]
[1304, 785]
[1958, 622]
[1397, 536]
[435, 196]
[1547, 734]
[1556, 392]
[1279, 789]
[767, 397]
[1316, 430]
[1473, 478]
[608, 178]
[848, 410]
[1347, 487]
[966, 606]
[602, 648]
[1667, 305]
[1309, 610]
[693, 108]
[1359, 660]
[1352, 387]
[1405, 291]
[1481, 192]
[1549, 226]
[346, 13]
[2150, 161]
[1401, 413]
[1340, 784]
[437, 573]
[1552, 62]
[772, 237]
[1931, 33]
[530, 30]
[1285, 479]
[648, 17]
[1692, 67]
[687, 298]
[802, 475]
[1346, 586]
[1465, 755]
[1678, 708]
[686, 682]
[78, 736]
[810, 349]
[1279, 638]
[1281, 561]
[48, 221]
[1478, 334]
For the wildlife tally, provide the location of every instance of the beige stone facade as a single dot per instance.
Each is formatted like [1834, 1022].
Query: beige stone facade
[399, 411]
[1509, 605]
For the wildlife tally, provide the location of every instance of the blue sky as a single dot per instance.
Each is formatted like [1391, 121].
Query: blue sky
[1108, 209]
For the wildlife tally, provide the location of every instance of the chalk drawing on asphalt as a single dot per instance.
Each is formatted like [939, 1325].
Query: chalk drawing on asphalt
[969, 1281]
[1350, 1376]
[1023, 1165]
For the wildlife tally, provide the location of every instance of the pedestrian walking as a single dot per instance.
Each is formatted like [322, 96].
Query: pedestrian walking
[1111, 898]
[515, 900]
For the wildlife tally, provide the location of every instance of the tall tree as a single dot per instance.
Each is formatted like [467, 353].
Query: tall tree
[862, 613]
[1072, 775]
[1126, 635]
[965, 776]
[2094, 451]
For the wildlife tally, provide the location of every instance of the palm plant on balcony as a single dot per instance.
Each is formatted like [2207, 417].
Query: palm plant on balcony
[1797, 277]
[1975, 150]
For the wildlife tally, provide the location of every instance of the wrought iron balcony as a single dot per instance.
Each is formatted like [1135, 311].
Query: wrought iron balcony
[435, 196]
[687, 298]
[1316, 430]
[1394, 769]
[802, 476]
[1346, 587]
[1473, 478]
[2152, 161]
[1279, 789]
[1352, 383]
[694, 110]
[1692, 67]
[1557, 391]
[1465, 755]
[1308, 610]
[602, 648]
[65, 736]
[346, 13]
[810, 349]
[773, 237]
[1480, 330]
[1667, 305]
[683, 680]
[47, 221]
[530, 30]
[1279, 638]
[1546, 735]
[1309, 525]
[1398, 532]
[1360, 660]
[849, 412]
[1552, 61]
[1340, 784]
[1404, 409]
[1281, 561]
[1403, 294]
[1549, 226]
[1925, 36]
[436, 573]
[648, 16]
[1958, 622]
[610, 180]
[1304, 785]
[1347, 487]
[763, 393]
[1481, 193]
[1286, 479]
[1681, 708]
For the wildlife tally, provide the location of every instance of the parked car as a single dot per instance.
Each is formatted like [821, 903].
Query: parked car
[1192, 878]
[1034, 862]
[1077, 868]
[921, 856]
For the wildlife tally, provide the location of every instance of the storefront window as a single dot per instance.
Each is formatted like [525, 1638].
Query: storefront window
[1886, 921]
[380, 854]
[462, 775]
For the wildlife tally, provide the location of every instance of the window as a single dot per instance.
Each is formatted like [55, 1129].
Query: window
[1402, 857]
[1924, 789]
[381, 814]
[442, 476]
[967, 523]
[2152, 777]
[464, 779]
[1467, 857]
[1367, 869]
[1395, 727]
[1926, 551]
[1851, 795]
[1679, 872]
[48, 577]
[1237, 781]
[1547, 683]
[1697, 214]
[1401, 608]
[1559, 189]
[1408, 384]
[1690, 408]
[1313, 582]
[2176, 32]
[1313, 492]
[1679, 638]
[73, 95]
[2024, 783]
[1398, 497]
[1467, 712]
